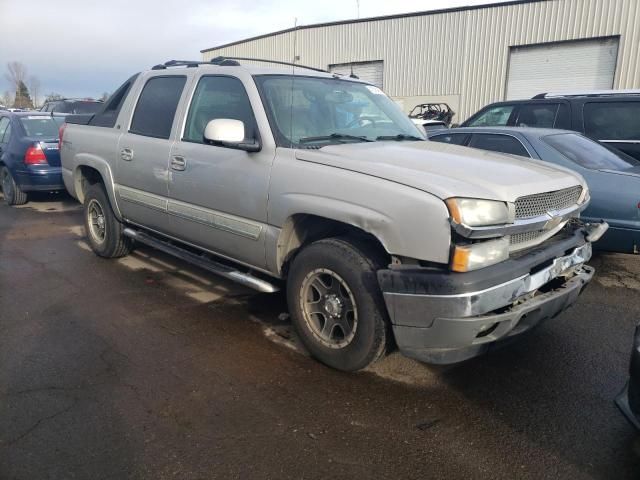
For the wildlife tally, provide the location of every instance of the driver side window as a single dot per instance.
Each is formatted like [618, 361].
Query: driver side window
[219, 97]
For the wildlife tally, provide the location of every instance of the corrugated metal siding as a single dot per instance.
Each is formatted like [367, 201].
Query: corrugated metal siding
[463, 53]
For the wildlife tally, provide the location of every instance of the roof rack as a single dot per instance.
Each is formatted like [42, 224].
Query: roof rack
[229, 62]
[592, 93]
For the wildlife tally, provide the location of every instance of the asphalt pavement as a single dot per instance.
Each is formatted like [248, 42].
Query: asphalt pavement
[146, 367]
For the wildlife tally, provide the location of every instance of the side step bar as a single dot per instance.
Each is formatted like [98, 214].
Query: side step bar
[218, 268]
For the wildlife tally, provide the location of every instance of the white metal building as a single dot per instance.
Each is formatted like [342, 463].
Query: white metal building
[471, 56]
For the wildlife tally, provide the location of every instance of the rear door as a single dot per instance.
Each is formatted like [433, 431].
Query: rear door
[615, 123]
[143, 152]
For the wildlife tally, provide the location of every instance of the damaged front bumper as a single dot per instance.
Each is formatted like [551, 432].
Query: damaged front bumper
[444, 317]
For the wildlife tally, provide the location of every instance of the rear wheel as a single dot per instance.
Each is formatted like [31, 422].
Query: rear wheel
[13, 195]
[104, 231]
[336, 305]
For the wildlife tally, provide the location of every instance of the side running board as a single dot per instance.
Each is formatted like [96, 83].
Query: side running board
[202, 261]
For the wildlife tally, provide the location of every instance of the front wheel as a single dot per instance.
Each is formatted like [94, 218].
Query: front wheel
[336, 304]
[13, 195]
[104, 230]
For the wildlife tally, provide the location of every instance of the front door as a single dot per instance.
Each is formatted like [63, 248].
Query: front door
[143, 153]
[218, 195]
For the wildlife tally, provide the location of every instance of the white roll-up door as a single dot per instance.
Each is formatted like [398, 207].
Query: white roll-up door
[370, 72]
[566, 66]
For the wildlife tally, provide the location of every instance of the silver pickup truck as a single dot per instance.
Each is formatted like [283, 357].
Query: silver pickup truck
[299, 179]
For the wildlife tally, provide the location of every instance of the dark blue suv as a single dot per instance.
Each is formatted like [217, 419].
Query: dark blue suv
[29, 155]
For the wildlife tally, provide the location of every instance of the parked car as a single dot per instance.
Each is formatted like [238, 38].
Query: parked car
[280, 180]
[611, 116]
[29, 155]
[629, 399]
[72, 106]
[612, 176]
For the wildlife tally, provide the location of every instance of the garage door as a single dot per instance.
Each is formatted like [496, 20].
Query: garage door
[370, 72]
[575, 66]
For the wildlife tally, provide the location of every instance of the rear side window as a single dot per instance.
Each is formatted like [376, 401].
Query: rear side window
[218, 97]
[40, 127]
[157, 106]
[453, 138]
[498, 143]
[493, 117]
[111, 109]
[589, 154]
[612, 120]
[537, 115]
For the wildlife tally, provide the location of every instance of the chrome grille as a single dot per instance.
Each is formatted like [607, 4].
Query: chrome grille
[541, 203]
[526, 237]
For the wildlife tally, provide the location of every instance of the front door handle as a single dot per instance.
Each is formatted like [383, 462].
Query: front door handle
[126, 154]
[178, 163]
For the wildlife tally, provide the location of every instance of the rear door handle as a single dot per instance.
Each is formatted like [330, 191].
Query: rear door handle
[126, 154]
[178, 163]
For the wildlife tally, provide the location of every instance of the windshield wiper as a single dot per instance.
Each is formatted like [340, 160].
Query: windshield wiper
[400, 137]
[334, 136]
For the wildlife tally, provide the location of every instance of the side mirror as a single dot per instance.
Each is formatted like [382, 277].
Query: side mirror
[229, 133]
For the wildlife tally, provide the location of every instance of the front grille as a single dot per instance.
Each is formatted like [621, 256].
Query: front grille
[541, 203]
[526, 237]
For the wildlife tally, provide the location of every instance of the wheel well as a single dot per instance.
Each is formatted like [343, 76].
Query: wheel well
[87, 176]
[302, 229]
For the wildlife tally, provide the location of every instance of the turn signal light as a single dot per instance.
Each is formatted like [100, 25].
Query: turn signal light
[35, 156]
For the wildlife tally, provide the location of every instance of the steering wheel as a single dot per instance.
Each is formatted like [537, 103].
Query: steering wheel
[360, 122]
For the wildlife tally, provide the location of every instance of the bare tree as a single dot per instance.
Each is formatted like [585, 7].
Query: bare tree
[6, 99]
[34, 88]
[17, 75]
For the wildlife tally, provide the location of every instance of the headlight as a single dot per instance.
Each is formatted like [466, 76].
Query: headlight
[479, 255]
[473, 212]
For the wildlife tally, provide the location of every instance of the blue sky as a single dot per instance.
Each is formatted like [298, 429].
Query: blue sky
[81, 48]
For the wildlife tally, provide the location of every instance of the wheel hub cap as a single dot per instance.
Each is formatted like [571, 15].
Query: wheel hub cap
[333, 306]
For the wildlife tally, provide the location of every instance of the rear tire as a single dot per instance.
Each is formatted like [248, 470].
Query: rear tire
[13, 195]
[104, 231]
[336, 305]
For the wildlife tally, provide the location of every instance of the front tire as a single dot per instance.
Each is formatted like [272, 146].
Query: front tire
[13, 195]
[336, 305]
[104, 231]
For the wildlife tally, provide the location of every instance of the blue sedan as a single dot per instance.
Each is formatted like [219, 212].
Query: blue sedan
[29, 155]
[613, 177]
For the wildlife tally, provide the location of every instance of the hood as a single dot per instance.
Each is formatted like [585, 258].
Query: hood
[447, 170]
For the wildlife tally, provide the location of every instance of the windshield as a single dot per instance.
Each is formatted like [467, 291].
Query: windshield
[309, 112]
[589, 154]
[40, 127]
